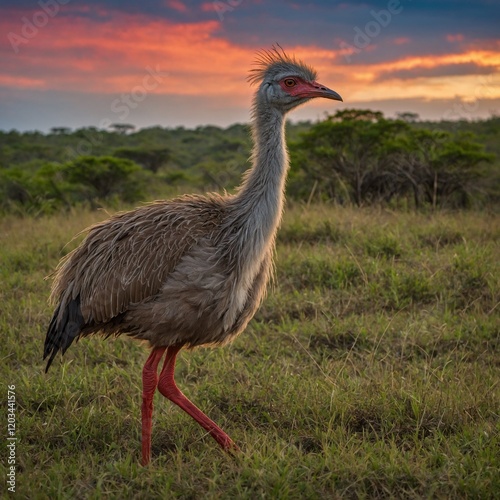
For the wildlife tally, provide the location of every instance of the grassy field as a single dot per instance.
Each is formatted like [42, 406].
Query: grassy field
[372, 370]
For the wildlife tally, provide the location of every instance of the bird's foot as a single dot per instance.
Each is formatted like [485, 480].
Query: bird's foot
[229, 446]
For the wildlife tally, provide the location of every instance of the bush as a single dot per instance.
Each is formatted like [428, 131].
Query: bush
[361, 157]
[101, 178]
[53, 186]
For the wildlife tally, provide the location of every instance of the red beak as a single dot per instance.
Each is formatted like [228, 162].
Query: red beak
[314, 89]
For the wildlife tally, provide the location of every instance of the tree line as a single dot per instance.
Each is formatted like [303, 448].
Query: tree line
[358, 156]
[353, 156]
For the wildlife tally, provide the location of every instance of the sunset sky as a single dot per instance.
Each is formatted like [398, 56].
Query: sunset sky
[173, 62]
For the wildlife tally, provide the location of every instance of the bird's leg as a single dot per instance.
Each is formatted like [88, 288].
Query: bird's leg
[149, 383]
[167, 387]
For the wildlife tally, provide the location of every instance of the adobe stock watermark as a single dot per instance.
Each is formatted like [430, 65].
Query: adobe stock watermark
[121, 106]
[222, 7]
[466, 109]
[11, 438]
[363, 37]
[39, 19]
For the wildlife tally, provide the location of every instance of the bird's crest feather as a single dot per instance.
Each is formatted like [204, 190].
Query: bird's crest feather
[278, 59]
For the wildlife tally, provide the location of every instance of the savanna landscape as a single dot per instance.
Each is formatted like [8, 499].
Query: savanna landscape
[371, 369]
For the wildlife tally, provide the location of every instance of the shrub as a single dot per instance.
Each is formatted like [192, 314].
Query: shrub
[101, 178]
[87, 179]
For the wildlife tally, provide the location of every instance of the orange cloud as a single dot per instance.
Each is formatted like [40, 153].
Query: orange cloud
[121, 53]
[483, 80]
[112, 56]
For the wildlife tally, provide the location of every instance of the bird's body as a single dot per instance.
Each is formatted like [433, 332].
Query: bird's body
[158, 273]
[190, 271]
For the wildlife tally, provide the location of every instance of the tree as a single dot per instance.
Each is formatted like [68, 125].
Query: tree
[361, 156]
[408, 116]
[60, 130]
[438, 167]
[14, 189]
[151, 159]
[122, 128]
[100, 178]
[342, 153]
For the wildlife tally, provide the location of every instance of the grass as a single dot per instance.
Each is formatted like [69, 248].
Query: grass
[372, 370]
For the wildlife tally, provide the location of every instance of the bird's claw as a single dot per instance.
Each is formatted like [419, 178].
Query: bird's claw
[229, 446]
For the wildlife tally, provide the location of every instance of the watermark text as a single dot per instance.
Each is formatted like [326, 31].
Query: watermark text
[31, 26]
[11, 438]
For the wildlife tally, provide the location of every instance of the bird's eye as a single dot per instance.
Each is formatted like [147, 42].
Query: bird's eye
[290, 82]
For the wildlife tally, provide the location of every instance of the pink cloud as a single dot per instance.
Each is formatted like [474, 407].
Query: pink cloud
[402, 40]
[176, 5]
[457, 37]
[16, 81]
[208, 7]
[112, 55]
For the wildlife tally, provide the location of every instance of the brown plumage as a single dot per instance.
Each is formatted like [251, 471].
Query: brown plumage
[190, 271]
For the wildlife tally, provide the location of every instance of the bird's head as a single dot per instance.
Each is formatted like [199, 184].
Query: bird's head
[284, 82]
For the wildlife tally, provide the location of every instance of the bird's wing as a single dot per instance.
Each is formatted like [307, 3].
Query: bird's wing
[126, 259]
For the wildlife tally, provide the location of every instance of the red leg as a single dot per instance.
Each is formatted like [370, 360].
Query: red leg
[167, 387]
[149, 383]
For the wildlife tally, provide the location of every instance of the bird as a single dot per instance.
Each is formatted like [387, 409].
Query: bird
[190, 271]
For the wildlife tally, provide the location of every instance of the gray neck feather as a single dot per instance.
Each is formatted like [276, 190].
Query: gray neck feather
[258, 203]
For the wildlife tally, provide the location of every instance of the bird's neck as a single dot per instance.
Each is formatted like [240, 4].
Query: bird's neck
[259, 200]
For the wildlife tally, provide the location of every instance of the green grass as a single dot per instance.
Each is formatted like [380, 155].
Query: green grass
[372, 370]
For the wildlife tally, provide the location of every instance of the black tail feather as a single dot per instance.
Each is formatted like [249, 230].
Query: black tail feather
[61, 334]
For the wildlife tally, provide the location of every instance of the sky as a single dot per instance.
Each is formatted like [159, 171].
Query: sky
[185, 63]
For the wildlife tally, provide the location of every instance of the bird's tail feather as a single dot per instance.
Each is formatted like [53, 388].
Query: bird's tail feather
[61, 333]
